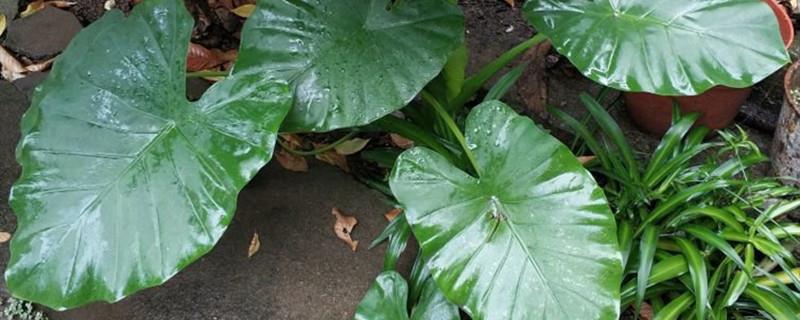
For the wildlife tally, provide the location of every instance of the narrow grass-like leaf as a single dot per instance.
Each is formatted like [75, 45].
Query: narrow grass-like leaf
[675, 308]
[680, 199]
[625, 236]
[698, 273]
[771, 302]
[647, 250]
[588, 138]
[735, 289]
[717, 214]
[499, 90]
[610, 127]
[669, 144]
[666, 269]
[715, 241]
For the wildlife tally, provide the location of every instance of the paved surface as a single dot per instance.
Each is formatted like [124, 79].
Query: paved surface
[43, 34]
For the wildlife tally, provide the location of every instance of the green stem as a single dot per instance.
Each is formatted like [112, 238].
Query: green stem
[474, 83]
[444, 115]
[317, 151]
[420, 136]
[204, 74]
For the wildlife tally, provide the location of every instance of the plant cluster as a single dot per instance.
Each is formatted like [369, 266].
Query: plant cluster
[125, 182]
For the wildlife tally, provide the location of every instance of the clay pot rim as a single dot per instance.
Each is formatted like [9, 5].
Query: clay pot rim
[787, 86]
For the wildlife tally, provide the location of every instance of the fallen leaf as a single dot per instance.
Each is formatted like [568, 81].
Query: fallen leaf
[255, 244]
[32, 8]
[532, 85]
[392, 213]
[200, 58]
[291, 162]
[344, 226]
[292, 140]
[331, 157]
[646, 312]
[4, 236]
[244, 11]
[351, 146]
[60, 4]
[12, 69]
[401, 142]
[2, 24]
[585, 159]
[41, 66]
[510, 3]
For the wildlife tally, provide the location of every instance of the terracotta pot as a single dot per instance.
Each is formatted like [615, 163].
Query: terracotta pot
[718, 106]
[785, 152]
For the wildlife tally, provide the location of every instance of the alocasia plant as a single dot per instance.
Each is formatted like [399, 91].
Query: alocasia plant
[679, 47]
[350, 61]
[532, 236]
[124, 181]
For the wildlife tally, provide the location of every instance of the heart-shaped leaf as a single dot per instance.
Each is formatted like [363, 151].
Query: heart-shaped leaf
[533, 237]
[386, 300]
[124, 181]
[678, 47]
[350, 61]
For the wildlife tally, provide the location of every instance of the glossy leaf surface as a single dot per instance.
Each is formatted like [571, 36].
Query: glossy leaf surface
[680, 47]
[433, 305]
[532, 238]
[350, 61]
[385, 299]
[124, 181]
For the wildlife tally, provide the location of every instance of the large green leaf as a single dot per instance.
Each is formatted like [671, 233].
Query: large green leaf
[678, 47]
[350, 61]
[385, 299]
[433, 305]
[124, 181]
[533, 237]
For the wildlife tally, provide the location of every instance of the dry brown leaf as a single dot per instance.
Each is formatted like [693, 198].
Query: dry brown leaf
[4, 236]
[244, 11]
[331, 157]
[401, 142]
[343, 227]
[646, 312]
[60, 4]
[32, 8]
[200, 58]
[255, 244]
[392, 213]
[510, 3]
[41, 66]
[351, 146]
[585, 159]
[291, 162]
[2, 24]
[292, 140]
[12, 69]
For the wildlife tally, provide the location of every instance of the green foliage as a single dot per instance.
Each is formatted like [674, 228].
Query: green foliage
[15, 309]
[678, 47]
[708, 234]
[532, 235]
[124, 182]
[350, 62]
[386, 299]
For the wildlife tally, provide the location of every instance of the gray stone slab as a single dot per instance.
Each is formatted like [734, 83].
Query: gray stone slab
[43, 34]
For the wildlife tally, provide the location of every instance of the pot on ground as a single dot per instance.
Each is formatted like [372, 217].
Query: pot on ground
[718, 106]
[785, 153]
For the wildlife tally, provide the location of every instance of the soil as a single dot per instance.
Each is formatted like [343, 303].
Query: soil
[302, 270]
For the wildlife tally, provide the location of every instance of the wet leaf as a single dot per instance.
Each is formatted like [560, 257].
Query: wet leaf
[659, 46]
[290, 161]
[255, 244]
[125, 182]
[4, 236]
[343, 227]
[385, 299]
[349, 60]
[351, 146]
[400, 141]
[244, 11]
[393, 213]
[532, 237]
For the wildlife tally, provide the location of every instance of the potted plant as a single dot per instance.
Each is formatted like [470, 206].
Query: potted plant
[702, 55]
